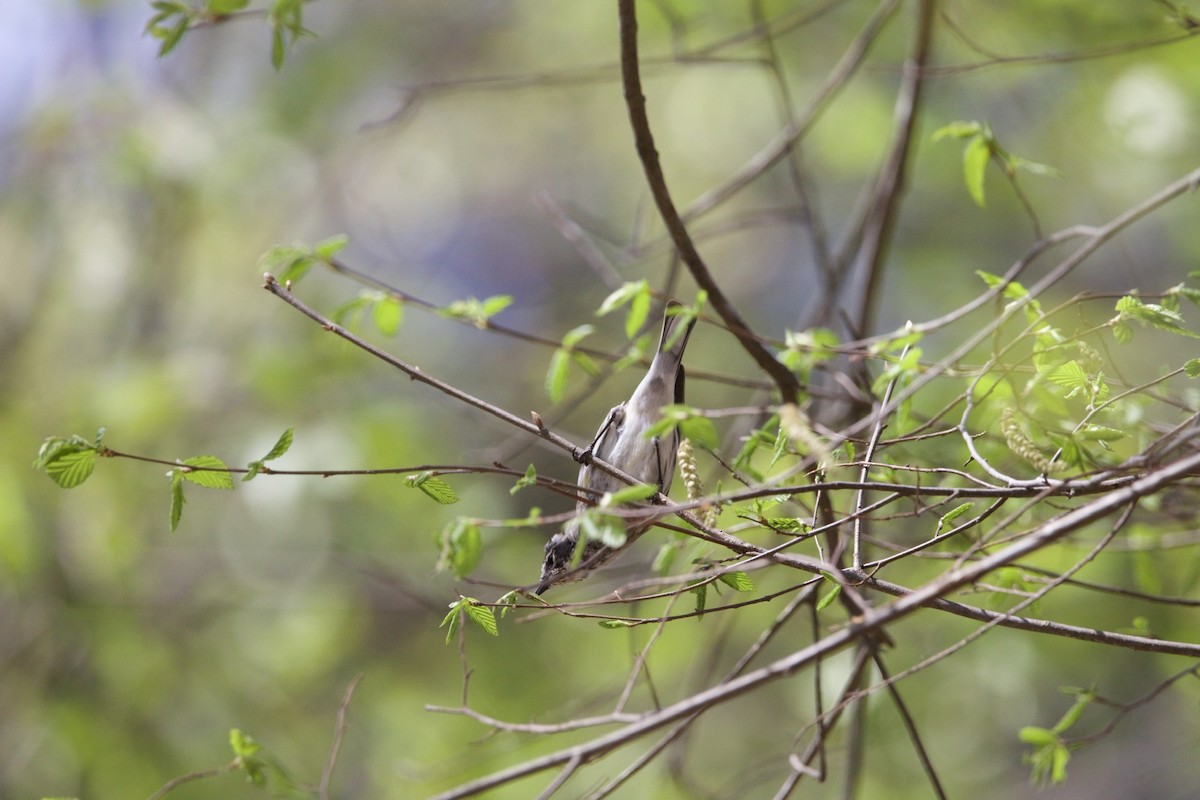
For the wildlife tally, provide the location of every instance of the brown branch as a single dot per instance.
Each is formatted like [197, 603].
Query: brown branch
[635, 101]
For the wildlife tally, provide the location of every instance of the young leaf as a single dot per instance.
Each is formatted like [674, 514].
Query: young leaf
[629, 494]
[622, 296]
[213, 473]
[616, 623]
[281, 446]
[1192, 368]
[639, 309]
[831, 595]
[453, 620]
[462, 548]
[952, 515]
[556, 375]
[434, 487]
[68, 462]
[701, 431]
[738, 581]
[482, 616]
[975, 160]
[177, 500]
[388, 314]
[528, 479]
[326, 249]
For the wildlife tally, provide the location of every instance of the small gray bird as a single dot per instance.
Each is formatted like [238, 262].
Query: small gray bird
[621, 441]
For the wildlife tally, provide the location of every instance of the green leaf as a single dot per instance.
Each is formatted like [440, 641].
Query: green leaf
[609, 534]
[957, 130]
[738, 581]
[664, 559]
[387, 315]
[326, 249]
[226, 6]
[1038, 737]
[1102, 434]
[68, 462]
[278, 48]
[952, 515]
[830, 595]
[617, 623]
[701, 431]
[1156, 316]
[622, 296]
[701, 594]
[434, 487]
[576, 335]
[639, 310]
[207, 476]
[349, 313]
[528, 479]
[975, 160]
[482, 616]
[556, 375]
[1192, 368]
[477, 312]
[462, 548]
[281, 446]
[453, 620]
[177, 500]
[243, 746]
[629, 494]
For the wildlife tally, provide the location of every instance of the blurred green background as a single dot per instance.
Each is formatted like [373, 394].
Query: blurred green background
[136, 197]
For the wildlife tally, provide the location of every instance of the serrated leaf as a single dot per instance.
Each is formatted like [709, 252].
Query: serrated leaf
[528, 479]
[281, 446]
[434, 487]
[177, 499]
[976, 155]
[70, 468]
[483, 617]
[701, 594]
[207, 476]
[738, 581]
[453, 620]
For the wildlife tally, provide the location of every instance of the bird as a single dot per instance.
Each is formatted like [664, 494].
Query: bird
[622, 442]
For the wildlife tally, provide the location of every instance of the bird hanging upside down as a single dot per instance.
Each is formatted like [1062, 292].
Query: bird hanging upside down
[621, 441]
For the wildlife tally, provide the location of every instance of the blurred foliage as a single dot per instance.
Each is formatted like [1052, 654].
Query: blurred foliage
[137, 196]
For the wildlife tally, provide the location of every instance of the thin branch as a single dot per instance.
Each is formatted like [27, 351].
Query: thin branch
[785, 380]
